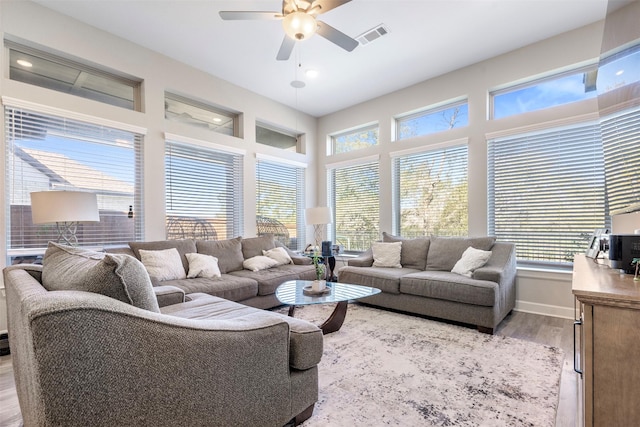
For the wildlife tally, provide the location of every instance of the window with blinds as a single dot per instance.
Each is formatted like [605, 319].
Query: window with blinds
[280, 202]
[547, 192]
[430, 193]
[46, 152]
[621, 145]
[203, 192]
[354, 195]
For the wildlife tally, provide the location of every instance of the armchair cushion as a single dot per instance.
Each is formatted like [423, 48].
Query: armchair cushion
[118, 276]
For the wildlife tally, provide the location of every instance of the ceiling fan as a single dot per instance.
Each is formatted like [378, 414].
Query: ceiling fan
[299, 22]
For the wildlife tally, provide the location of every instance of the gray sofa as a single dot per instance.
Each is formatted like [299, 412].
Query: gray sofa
[91, 347]
[425, 284]
[253, 288]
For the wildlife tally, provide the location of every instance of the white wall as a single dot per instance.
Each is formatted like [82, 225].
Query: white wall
[537, 291]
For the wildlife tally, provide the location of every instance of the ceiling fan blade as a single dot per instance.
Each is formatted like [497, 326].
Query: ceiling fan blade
[327, 5]
[286, 48]
[231, 15]
[337, 37]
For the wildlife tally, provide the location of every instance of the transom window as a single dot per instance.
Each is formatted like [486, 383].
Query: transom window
[544, 93]
[53, 72]
[355, 139]
[197, 114]
[432, 120]
[268, 135]
[431, 193]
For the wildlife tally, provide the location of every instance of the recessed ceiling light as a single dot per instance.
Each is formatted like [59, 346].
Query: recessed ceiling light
[298, 84]
[620, 72]
[24, 63]
[312, 74]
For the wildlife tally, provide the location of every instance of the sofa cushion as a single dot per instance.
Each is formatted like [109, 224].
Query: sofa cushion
[227, 286]
[386, 254]
[259, 263]
[471, 260]
[183, 246]
[201, 265]
[269, 280]
[164, 264]
[118, 276]
[228, 252]
[444, 252]
[254, 246]
[414, 251]
[449, 286]
[305, 339]
[385, 279]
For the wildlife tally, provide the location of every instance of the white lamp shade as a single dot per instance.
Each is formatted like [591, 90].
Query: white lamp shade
[299, 25]
[63, 206]
[319, 215]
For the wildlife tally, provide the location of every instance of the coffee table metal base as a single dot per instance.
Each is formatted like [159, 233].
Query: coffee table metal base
[334, 322]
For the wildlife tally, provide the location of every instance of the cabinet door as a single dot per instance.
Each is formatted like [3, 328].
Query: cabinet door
[616, 356]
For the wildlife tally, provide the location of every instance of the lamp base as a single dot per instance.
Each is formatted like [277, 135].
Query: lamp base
[67, 233]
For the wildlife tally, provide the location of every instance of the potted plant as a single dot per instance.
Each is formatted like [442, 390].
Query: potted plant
[636, 262]
[318, 284]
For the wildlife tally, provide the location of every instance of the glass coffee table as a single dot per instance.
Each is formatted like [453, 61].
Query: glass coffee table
[291, 293]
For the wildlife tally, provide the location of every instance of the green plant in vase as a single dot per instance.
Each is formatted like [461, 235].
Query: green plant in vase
[636, 262]
[317, 263]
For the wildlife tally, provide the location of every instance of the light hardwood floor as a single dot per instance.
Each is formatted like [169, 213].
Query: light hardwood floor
[531, 327]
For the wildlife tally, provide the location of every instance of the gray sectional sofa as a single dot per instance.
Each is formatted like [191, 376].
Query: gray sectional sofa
[425, 284]
[92, 347]
[253, 288]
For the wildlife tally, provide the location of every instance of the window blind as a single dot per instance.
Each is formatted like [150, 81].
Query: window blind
[621, 145]
[354, 196]
[280, 202]
[430, 193]
[47, 152]
[203, 192]
[546, 191]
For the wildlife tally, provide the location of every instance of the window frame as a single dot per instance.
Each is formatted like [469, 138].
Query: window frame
[373, 126]
[426, 112]
[277, 130]
[206, 108]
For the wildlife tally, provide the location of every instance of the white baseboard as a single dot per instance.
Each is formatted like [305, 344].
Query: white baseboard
[545, 309]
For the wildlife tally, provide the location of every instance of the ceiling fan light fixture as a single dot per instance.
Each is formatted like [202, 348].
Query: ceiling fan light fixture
[299, 25]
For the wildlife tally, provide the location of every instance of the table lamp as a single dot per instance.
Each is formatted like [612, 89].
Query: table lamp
[66, 209]
[318, 217]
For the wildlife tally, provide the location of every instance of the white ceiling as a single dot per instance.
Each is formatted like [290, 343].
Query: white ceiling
[426, 38]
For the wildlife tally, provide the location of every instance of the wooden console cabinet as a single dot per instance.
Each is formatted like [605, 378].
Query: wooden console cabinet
[608, 332]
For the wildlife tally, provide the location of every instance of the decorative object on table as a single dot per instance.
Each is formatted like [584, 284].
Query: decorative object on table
[594, 248]
[636, 262]
[66, 209]
[310, 291]
[318, 284]
[318, 217]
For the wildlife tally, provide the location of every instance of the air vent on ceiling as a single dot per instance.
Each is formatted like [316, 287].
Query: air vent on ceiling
[372, 34]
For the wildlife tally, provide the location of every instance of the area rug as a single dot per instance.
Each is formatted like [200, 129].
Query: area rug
[387, 368]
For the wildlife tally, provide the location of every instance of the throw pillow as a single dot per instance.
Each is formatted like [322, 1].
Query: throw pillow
[201, 265]
[119, 276]
[163, 265]
[386, 254]
[259, 262]
[445, 251]
[472, 259]
[279, 254]
[184, 246]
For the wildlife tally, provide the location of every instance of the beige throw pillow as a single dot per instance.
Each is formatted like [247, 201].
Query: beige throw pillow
[386, 254]
[201, 265]
[279, 254]
[259, 262]
[163, 265]
[471, 260]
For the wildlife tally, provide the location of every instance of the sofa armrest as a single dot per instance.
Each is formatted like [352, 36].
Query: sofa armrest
[168, 295]
[501, 267]
[100, 359]
[365, 259]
